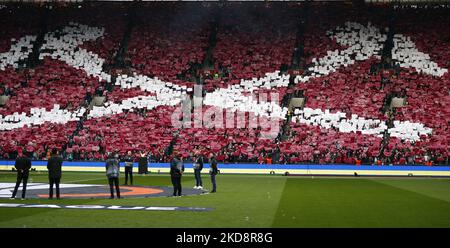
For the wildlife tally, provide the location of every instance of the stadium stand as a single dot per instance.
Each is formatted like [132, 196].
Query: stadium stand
[351, 65]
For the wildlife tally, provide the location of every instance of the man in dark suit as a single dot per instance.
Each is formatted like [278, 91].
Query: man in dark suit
[176, 171]
[213, 172]
[143, 163]
[54, 165]
[23, 166]
[128, 159]
[198, 166]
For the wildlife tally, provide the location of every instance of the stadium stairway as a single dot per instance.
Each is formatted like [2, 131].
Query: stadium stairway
[389, 43]
[297, 62]
[119, 59]
[386, 63]
[208, 62]
[33, 59]
[80, 123]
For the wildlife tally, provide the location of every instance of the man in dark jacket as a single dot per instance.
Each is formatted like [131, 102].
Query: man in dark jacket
[128, 167]
[176, 171]
[54, 165]
[213, 172]
[23, 166]
[198, 166]
[143, 163]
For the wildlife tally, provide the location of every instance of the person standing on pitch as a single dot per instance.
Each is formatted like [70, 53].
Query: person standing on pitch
[213, 172]
[54, 165]
[198, 166]
[128, 168]
[112, 172]
[23, 166]
[176, 171]
[143, 164]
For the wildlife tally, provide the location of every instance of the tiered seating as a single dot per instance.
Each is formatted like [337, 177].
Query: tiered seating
[319, 145]
[319, 21]
[253, 41]
[429, 33]
[125, 132]
[427, 101]
[351, 90]
[338, 91]
[425, 82]
[342, 119]
[26, 26]
[119, 94]
[111, 17]
[38, 139]
[326, 17]
[26, 22]
[51, 83]
[231, 139]
[166, 43]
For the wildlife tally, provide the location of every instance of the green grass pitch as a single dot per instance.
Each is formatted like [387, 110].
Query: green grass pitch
[253, 201]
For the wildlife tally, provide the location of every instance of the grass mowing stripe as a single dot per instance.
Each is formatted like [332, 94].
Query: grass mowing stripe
[438, 188]
[356, 203]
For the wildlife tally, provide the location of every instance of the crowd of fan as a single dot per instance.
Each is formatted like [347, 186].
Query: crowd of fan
[138, 112]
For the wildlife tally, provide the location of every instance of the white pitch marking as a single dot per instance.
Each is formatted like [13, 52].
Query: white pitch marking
[6, 189]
